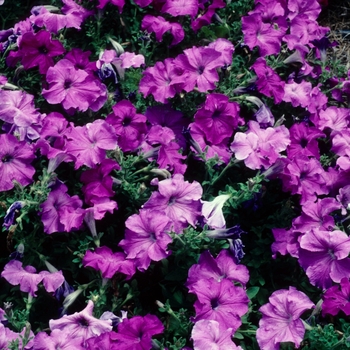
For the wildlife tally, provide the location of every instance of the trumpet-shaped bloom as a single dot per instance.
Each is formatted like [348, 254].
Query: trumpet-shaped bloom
[74, 88]
[82, 324]
[136, 333]
[324, 256]
[109, 263]
[146, 237]
[220, 301]
[281, 319]
[210, 334]
[179, 199]
[336, 299]
[15, 159]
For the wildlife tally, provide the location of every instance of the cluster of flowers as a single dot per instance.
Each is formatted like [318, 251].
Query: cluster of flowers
[74, 83]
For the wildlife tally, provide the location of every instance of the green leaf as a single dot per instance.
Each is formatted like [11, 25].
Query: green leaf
[252, 292]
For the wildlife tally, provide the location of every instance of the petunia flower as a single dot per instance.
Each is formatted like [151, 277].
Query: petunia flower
[179, 199]
[109, 263]
[212, 211]
[82, 324]
[15, 159]
[281, 319]
[74, 88]
[336, 299]
[119, 3]
[146, 237]
[210, 334]
[180, 7]
[220, 301]
[57, 339]
[136, 333]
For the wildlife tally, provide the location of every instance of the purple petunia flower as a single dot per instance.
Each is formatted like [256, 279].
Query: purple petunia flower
[220, 301]
[146, 237]
[109, 263]
[199, 66]
[15, 159]
[136, 333]
[218, 118]
[324, 256]
[220, 268]
[129, 126]
[88, 143]
[10, 213]
[82, 324]
[281, 319]
[210, 334]
[37, 50]
[179, 199]
[180, 7]
[336, 299]
[119, 3]
[57, 339]
[74, 88]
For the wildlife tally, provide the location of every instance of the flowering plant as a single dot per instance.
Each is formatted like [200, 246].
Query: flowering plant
[173, 175]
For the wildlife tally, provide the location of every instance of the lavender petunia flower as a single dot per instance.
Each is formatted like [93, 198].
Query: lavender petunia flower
[146, 237]
[180, 7]
[109, 263]
[15, 159]
[136, 333]
[179, 199]
[212, 211]
[82, 324]
[57, 339]
[281, 319]
[74, 88]
[210, 334]
[324, 256]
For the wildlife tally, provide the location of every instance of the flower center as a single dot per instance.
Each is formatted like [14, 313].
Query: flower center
[83, 323]
[43, 49]
[303, 143]
[67, 84]
[200, 69]
[6, 158]
[126, 121]
[214, 304]
[172, 200]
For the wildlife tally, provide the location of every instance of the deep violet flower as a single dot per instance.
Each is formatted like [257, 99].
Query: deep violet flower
[129, 126]
[89, 143]
[220, 301]
[105, 341]
[37, 50]
[199, 66]
[206, 16]
[82, 324]
[324, 256]
[179, 199]
[218, 118]
[10, 213]
[74, 88]
[220, 268]
[109, 263]
[146, 237]
[210, 334]
[119, 3]
[281, 319]
[15, 159]
[136, 333]
[336, 299]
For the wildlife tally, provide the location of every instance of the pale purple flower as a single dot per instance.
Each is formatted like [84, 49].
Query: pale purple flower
[333, 118]
[260, 147]
[52, 280]
[15, 159]
[281, 319]
[146, 237]
[129, 59]
[136, 333]
[179, 199]
[298, 94]
[212, 211]
[210, 334]
[220, 301]
[220, 268]
[109, 263]
[90, 142]
[82, 324]
[74, 88]
[324, 256]
[180, 7]
[57, 339]
[286, 242]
